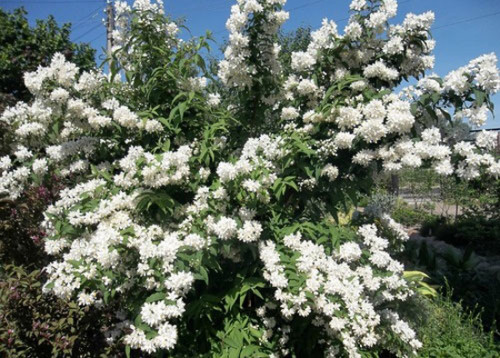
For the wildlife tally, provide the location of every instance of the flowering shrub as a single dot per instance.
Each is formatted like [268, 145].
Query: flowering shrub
[210, 219]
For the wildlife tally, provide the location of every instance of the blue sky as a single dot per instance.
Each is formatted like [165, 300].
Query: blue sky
[464, 29]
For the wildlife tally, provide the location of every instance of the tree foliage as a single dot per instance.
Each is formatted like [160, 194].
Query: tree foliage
[23, 48]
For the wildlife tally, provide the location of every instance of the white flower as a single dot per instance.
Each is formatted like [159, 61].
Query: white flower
[487, 139]
[289, 113]
[349, 251]
[348, 117]
[372, 130]
[381, 71]
[214, 99]
[302, 61]
[431, 136]
[180, 282]
[195, 241]
[226, 172]
[59, 95]
[40, 166]
[394, 46]
[429, 84]
[330, 171]
[364, 157]
[477, 115]
[225, 228]
[444, 167]
[250, 231]
[125, 117]
[86, 299]
[307, 87]
[251, 185]
[357, 5]
[456, 81]
[5, 163]
[343, 140]
[353, 30]
[22, 153]
[167, 336]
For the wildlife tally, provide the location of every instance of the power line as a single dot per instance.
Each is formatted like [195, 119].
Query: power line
[305, 5]
[95, 38]
[87, 32]
[222, 4]
[51, 2]
[314, 3]
[91, 15]
[289, 10]
[467, 20]
[82, 22]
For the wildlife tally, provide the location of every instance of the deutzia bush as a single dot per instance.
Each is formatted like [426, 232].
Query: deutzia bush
[212, 220]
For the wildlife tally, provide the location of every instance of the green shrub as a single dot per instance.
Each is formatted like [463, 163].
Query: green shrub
[409, 216]
[448, 331]
[432, 225]
[462, 275]
[475, 231]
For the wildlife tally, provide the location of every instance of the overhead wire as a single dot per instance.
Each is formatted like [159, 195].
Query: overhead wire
[314, 3]
[79, 23]
[305, 5]
[92, 14]
[292, 9]
[97, 37]
[467, 20]
[51, 2]
[87, 32]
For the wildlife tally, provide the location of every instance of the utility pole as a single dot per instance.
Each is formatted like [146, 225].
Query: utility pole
[110, 26]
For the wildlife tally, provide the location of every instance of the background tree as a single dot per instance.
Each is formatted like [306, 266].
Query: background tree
[24, 48]
[293, 41]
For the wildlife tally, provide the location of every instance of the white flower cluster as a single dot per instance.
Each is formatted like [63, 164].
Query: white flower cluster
[345, 292]
[380, 70]
[154, 171]
[236, 70]
[379, 18]
[68, 108]
[321, 39]
[483, 70]
[145, 12]
[257, 153]
[374, 121]
[102, 252]
[12, 182]
[60, 71]
[273, 329]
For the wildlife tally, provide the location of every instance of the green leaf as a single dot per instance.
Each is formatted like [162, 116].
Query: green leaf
[480, 97]
[158, 296]
[204, 274]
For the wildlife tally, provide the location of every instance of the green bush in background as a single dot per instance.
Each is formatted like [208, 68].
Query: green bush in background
[23, 48]
[448, 331]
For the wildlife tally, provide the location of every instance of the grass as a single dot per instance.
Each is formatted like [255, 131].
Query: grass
[448, 331]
